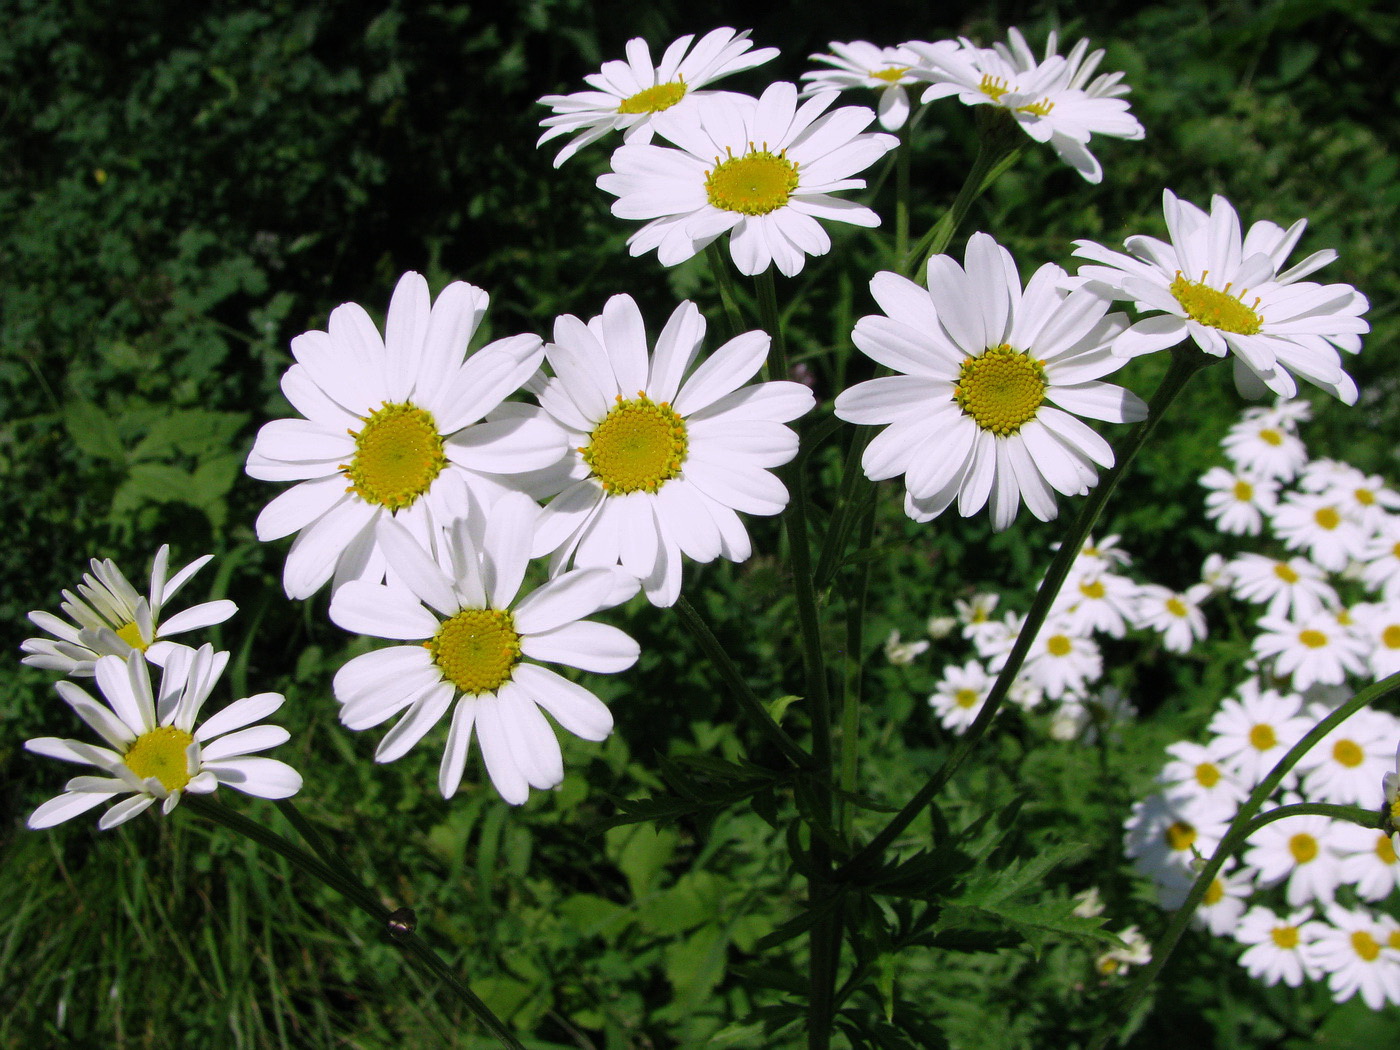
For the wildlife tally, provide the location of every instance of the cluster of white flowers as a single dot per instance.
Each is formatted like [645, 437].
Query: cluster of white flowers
[1335, 881]
[153, 747]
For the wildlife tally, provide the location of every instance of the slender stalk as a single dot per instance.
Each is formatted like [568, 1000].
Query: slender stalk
[901, 192]
[1185, 363]
[725, 281]
[748, 701]
[1244, 825]
[357, 894]
[853, 665]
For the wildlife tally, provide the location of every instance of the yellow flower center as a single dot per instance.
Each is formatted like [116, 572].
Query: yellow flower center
[477, 649]
[398, 455]
[890, 75]
[993, 87]
[1285, 936]
[1214, 892]
[1176, 607]
[1262, 737]
[1092, 589]
[1285, 572]
[1058, 645]
[1365, 946]
[1385, 850]
[966, 697]
[1312, 639]
[1365, 497]
[1390, 637]
[1215, 307]
[754, 184]
[1394, 939]
[1001, 389]
[1348, 753]
[1303, 847]
[1207, 774]
[1181, 836]
[654, 99]
[1327, 517]
[131, 634]
[161, 754]
[1271, 437]
[1244, 491]
[638, 447]
[1037, 109]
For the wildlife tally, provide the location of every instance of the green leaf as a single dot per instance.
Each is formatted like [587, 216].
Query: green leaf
[93, 431]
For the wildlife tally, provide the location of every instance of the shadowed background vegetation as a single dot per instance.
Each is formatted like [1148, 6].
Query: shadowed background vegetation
[183, 188]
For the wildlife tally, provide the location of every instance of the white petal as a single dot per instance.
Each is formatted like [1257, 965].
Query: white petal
[586, 645]
[239, 714]
[124, 811]
[64, 807]
[425, 713]
[260, 777]
[571, 705]
[459, 738]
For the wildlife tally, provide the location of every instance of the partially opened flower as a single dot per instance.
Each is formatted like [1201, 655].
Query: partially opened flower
[989, 376]
[628, 95]
[663, 462]
[861, 64]
[111, 619]
[155, 750]
[479, 650]
[1231, 295]
[406, 425]
[762, 170]
[1053, 98]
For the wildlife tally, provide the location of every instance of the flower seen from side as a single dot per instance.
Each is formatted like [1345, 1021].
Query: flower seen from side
[991, 379]
[861, 64]
[110, 618]
[1055, 99]
[627, 96]
[405, 425]
[154, 748]
[1232, 297]
[762, 170]
[664, 458]
[478, 648]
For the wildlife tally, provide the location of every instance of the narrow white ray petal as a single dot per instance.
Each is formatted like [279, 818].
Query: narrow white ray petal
[259, 777]
[568, 597]
[124, 811]
[501, 765]
[416, 568]
[586, 645]
[239, 714]
[425, 713]
[454, 755]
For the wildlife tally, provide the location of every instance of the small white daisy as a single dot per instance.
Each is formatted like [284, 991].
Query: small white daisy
[1104, 602]
[1294, 588]
[973, 414]
[1278, 945]
[1316, 525]
[902, 654]
[405, 425]
[1238, 502]
[762, 170]
[112, 619]
[1381, 557]
[1136, 951]
[1199, 784]
[1176, 614]
[155, 751]
[1255, 729]
[1053, 99]
[1314, 649]
[1226, 292]
[1261, 446]
[475, 646]
[628, 95]
[1299, 849]
[1353, 949]
[1379, 625]
[1364, 498]
[959, 695]
[662, 462]
[1215, 573]
[1368, 861]
[1225, 900]
[1164, 843]
[861, 64]
[1346, 766]
[975, 615]
[1059, 661]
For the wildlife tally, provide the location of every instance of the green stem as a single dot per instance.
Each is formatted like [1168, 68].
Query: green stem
[725, 281]
[1244, 825]
[357, 894]
[1185, 363]
[901, 194]
[748, 701]
[852, 681]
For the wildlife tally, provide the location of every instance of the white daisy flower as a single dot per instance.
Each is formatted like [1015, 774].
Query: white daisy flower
[764, 169]
[1381, 557]
[1096, 556]
[662, 463]
[902, 654]
[1059, 661]
[1215, 573]
[155, 750]
[1263, 447]
[1228, 295]
[1164, 844]
[989, 377]
[1314, 649]
[111, 619]
[1103, 602]
[1053, 99]
[861, 64]
[1199, 784]
[940, 627]
[1316, 525]
[959, 695]
[1278, 945]
[1294, 588]
[1254, 730]
[405, 425]
[975, 615]
[628, 95]
[1238, 502]
[1368, 861]
[1364, 498]
[1379, 626]
[1136, 951]
[1176, 614]
[1353, 949]
[1298, 849]
[1346, 766]
[476, 647]
[1225, 900]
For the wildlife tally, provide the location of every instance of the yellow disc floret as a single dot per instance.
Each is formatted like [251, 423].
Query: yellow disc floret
[1001, 389]
[754, 184]
[161, 754]
[1312, 639]
[1216, 307]
[398, 455]
[131, 634]
[967, 697]
[1262, 737]
[1285, 936]
[890, 75]
[1207, 774]
[1348, 753]
[1303, 847]
[993, 87]
[654, 99]
[1181, 836]
[638, 447]
[477, 649]
[1365, 946]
